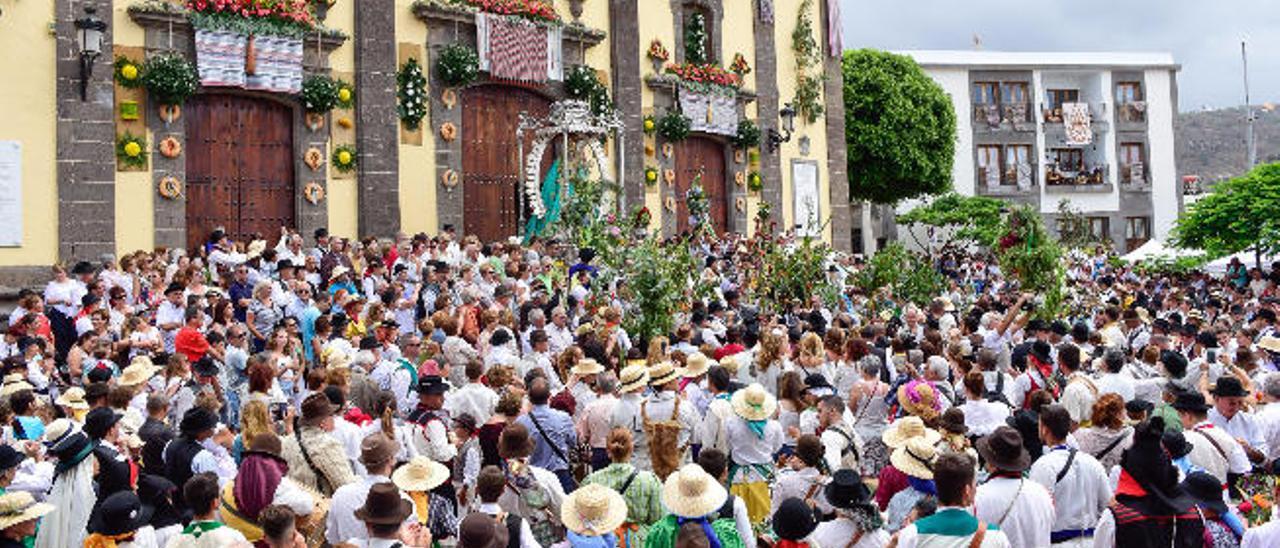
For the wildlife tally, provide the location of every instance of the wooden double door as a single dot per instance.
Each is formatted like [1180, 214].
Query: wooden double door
[491, 160]
[240, 177]
[700, 155]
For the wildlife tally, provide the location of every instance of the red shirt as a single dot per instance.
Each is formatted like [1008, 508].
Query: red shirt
[728, 350]
[191, 343]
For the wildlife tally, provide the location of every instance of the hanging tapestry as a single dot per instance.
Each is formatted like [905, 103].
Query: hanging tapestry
[277, 64]
[511, 48]
[710, 112]
[1075, 118]
[1024, 176]
[220, 58]
[835, 35]
[1137, 173]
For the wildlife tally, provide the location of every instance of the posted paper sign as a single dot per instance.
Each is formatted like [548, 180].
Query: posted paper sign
[10, 193]
[807, 203]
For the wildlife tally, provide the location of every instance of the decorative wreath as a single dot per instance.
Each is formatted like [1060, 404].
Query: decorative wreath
[170, 187]
[650, 124]
[313, 158]
[449, 179]
[740, 204]
[170, 113]
[669, 175]
[650, 176]
[346, 94]
[740, 178]
[670, 203]
[448, 132]
[668, 150]
[315, 121]
[131, 151]
[313, 192]
[170, 147]
[739, 156]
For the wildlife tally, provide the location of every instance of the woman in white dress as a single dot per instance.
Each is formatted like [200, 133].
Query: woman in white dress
[870, 414]
[72, 490]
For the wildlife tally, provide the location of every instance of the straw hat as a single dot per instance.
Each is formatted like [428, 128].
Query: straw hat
[906, 428]
[593, 510]
[73, 398]
[691, 492]
[1270, 344]
[696, 365]
[915, 458]
[662, 373]
[12, 387]
[138, 372]
[753, 403]
[587, 366]
[420, 475]
[633, 378]
[19, 506]
[919, 398]
[338, 271]
[731, 363]
[256, 248]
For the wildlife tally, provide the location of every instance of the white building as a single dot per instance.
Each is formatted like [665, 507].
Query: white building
[1095, 129]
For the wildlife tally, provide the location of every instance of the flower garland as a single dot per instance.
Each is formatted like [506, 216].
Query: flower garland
[695, 39]
[319, 94]
[532, 186]
[292, 18]
[705, 74]
[534, 10]
[346, 94]
[127, 72]
[582, 83]
[170, 79]
[131, 151]
[411, 88]
[808, 103]
[657, 51]
[458, 65]
[344, 158]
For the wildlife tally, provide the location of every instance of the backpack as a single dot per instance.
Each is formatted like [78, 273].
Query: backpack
[535, 506]
[665, 452]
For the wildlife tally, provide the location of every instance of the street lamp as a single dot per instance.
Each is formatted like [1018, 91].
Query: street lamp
[788, 117]
[89, 31]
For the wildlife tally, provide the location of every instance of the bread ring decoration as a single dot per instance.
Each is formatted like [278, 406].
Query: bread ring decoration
[313, 158]
[170, 147]
[313, 192]
[668, 150]
[170, 187]
[739, 156]
[449, 179]
[448, 132]
[669, 175]
[740, 178]
[449, 98]
[670, 203]
[170, 113]
[740, 204]
[315, 121]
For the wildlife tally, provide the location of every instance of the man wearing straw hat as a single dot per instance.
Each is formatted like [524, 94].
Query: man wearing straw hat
[591, 514]
[693, 496]
[667, 419]
[18, 514]
[431, 510]
[754, 436]
[632, 382]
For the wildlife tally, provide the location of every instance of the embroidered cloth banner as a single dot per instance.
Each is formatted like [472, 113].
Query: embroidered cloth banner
[1077, 122]
[514, 49]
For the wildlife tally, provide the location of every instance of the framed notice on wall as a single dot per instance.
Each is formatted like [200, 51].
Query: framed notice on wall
[10, 193]
[806, 202]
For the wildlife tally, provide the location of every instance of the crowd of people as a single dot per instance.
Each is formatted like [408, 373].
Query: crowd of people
[442, 391]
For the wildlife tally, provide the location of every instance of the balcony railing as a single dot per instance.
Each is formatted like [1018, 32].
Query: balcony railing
[1097, 113]
[1083, 177]
[1007, 179]
[993, 115]
[1134, 174]
[1133, 112]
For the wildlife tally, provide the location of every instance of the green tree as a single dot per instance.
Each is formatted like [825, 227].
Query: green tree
[900, 128]
[1239, 214]
[905, 274]
[1027, 253]
[965, 220]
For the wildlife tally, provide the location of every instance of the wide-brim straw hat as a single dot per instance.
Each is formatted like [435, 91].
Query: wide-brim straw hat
[587, 366]
[696, 365]
[1270, 344]
[338, 271]
[731, 363]
[754, 403]
[138, 372]
[915, 458]
[11, 388]
[73, 398]
[691, 492]
[19, 506]
[662, 373]
[633, 378]
[420, 475]
[593, 510]
[906, 428]
[256, 248]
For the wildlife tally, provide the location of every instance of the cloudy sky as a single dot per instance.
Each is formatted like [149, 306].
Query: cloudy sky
[1204, 36]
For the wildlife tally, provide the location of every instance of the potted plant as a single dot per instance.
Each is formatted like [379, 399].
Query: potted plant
[658, 55]
[673, 126]
[171, 80]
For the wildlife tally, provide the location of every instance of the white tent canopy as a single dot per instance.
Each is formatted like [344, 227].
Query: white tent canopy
[1156, 249]
[1247, 258]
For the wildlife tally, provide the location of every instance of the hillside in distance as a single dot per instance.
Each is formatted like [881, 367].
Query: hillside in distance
[1211, 143]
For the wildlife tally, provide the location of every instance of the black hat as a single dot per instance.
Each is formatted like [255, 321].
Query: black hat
[99, 374]
[1060, 328]
[89, 299]
[432, 384]
[174, 287]
[1146, 462]
[1206, 490]
[1190, 401]
[99, 421]
[1173, 362]
[196, 420]
[160, 493]
[1041, 351]
[384, 505]
[369, 342]
[10, 457]
[205, 367]
[846, 490]
[1175, 443]
[283, 264]
[1003, 449]
[1207, 339]
[391, 324]
[816, 381]
[1037, 325]
[120, 513]
[82, 267]
[1139, 406]
[1228, 387]
[793, 520]
[71, 449]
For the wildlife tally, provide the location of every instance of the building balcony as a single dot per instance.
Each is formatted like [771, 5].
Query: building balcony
[996, 116]
[1097, 114]
[1133, 112]
[1011, 180]
[1134, 177]
[1086, 179]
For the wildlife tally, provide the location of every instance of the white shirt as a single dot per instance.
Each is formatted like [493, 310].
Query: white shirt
[474, 399]
[711, 433]
[1078, 398]
[1021, 508]
[1206, 456]
[1116, 383]
[799, 484]
[1081, 496]
[1268, 421]
[1262, 536]
[1243, 425]
[983, 417]
[168, 313]
[750, 449]
[838, 532]
[909, 537]
[342, 523]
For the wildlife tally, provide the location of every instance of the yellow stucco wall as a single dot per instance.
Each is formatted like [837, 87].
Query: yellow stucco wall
[342, 200]
[785, 16]
[135, 195]
[29, 102]
[418, 183]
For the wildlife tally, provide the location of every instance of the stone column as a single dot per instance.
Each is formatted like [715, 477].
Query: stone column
[624, 51]
[766, 68]
[85, 140]
[377, 121]
[837, 153]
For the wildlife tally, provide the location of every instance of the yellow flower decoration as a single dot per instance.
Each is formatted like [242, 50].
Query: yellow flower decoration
[344, 95]
[129, 72]
[132, 149]
[344, 157]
